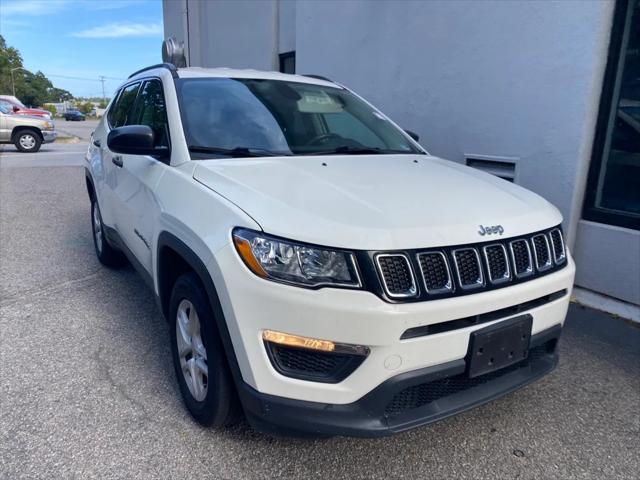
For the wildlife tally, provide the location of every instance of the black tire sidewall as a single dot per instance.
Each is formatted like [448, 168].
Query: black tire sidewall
[220, 405]
[16, 142]
[109, 256]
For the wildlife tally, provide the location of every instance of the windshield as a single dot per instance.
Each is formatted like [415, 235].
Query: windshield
[272, 117]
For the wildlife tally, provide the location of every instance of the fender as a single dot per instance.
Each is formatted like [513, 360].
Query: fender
[166, 239]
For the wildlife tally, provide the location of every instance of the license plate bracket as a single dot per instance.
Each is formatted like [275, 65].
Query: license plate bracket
[498, 346]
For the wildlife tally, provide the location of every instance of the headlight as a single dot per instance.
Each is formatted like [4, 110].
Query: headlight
[48, 126]
[296, 263]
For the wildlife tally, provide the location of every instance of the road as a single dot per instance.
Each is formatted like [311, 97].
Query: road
[87, 388]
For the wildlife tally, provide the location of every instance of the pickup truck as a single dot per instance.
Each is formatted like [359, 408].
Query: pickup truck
[26, 133]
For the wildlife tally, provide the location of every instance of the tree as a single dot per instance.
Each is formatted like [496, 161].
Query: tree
[10, 58]
[32, 89]
[51, 108]
[85, 107]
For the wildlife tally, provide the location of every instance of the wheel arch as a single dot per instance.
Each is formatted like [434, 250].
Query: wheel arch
[174, 258]
[20, 128]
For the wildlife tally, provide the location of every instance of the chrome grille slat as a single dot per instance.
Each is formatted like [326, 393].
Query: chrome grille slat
[436, 273]
[521, 258]
[397, 275]
[541, 252]
[557, 246]
[468, 268]
[497, 261]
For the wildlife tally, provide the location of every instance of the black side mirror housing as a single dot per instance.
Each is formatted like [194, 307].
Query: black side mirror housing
[413, 135]
[135, 140]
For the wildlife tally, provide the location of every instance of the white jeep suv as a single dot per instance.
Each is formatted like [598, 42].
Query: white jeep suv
[321, 272]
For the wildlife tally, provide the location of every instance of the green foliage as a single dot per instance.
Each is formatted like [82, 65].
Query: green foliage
[51, 108]
[32, 89]
[85, 107]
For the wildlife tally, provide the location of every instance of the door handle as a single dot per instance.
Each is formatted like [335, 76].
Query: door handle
[117, 161]
[96, 143]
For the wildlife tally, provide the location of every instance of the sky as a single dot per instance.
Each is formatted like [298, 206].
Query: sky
[84, 39]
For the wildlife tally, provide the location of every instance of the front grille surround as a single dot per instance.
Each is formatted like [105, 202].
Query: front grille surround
[541, 252]
[395, 291]
[495, 277]
[468, 270]
[446, 283]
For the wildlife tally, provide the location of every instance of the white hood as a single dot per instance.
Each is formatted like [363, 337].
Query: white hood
[375, 202]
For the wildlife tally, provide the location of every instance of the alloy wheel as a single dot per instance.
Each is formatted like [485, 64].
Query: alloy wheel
[97, 227]
[191, 350]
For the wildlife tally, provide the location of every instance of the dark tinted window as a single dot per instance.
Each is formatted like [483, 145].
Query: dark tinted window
[150, 110]
[283, 117]
[613, 191]
[120, 111]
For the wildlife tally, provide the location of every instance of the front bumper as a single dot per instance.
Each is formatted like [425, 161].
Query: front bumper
[403, 402]
[49, 136]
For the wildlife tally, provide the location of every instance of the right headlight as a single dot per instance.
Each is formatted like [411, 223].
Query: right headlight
[295, 263]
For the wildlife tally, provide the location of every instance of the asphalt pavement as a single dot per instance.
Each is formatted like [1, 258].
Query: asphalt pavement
[87, 389]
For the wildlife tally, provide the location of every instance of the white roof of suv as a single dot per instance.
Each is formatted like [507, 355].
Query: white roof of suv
[223, 72]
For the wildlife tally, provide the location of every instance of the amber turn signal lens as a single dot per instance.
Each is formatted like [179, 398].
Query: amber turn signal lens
[298, 341]
[244, 249]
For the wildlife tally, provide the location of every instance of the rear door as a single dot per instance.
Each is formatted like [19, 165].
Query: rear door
[138, 208]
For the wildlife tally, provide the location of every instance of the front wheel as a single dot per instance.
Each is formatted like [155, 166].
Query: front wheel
[27, 141]
[107, 255]
[199, 360]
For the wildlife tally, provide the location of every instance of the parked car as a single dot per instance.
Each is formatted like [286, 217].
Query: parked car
[26, 133]
[320, 271]
[71, 115]
[17, 107]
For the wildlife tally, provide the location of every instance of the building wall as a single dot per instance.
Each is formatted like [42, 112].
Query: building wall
[226, 33]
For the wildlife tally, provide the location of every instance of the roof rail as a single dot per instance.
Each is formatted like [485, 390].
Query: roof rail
[169, 66]
[319, 77]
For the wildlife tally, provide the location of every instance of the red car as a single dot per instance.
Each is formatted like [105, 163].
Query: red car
[18, 107]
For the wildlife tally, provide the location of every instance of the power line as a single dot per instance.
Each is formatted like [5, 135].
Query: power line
[101, 78]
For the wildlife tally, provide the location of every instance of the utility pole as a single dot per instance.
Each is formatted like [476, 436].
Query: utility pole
[13, 85]
[104, 99]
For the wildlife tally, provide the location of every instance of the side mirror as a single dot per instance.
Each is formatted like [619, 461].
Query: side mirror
[16, 108]
[413, 135]
[135, 140]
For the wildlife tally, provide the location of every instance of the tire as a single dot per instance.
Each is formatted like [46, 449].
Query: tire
[107, 255]
[214, 403]
[27, 141]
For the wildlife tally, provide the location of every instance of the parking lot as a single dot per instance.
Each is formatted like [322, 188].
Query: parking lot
[88, 389]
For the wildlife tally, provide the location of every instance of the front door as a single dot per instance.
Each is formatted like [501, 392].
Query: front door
[138, 208]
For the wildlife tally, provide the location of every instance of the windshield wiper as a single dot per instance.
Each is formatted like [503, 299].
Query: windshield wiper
[351, 150]
[237, 151]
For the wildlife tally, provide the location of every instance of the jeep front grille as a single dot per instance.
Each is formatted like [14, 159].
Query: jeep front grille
[466, 269]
